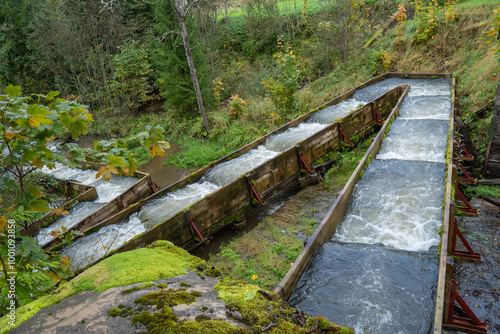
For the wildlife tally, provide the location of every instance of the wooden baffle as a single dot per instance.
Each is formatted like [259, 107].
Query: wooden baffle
[142, 188]
[75, 192]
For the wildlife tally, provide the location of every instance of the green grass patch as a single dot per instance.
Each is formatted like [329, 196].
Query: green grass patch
[488, 190]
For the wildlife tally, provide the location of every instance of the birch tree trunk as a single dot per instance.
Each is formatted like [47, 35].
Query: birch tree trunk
[192, 69]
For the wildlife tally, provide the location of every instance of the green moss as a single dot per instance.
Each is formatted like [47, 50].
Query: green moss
[144, 286]
[162, 286]
[161, 260]
[185, 285]
[257, 313]
[213, 272]
[202, 317]
[114, 312]
[144, 318]
[204, 308]
[168, 297]
[196, 294]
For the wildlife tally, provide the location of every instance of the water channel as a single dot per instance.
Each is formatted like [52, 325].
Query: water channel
[379, 271]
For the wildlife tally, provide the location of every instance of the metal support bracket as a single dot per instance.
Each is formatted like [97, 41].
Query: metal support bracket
[468, 209]
[470, 254]
[256, 194]
[120, 203]
[466, 156]
[345, 137]
[154, 186]
[472, 323]
[378, 119]
[467, 178]
[199, 235]
[303, 164]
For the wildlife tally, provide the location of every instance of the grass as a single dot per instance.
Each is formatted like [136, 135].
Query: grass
[286, 7]
[488, 190]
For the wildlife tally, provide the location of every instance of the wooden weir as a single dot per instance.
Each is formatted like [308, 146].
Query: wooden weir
[142, 188]
[229, 203]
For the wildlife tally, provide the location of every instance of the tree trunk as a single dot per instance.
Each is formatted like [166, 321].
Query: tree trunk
[192, 69]
[227, 18]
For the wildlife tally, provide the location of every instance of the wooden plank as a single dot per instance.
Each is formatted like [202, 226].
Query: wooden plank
[133, 194]
[274, 171]
[220, 204]
[86, 194]
[329, 224]
[321, 143]
[448, 217]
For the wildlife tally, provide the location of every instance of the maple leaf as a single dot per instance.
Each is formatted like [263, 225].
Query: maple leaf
[59, 211]
[106, 172]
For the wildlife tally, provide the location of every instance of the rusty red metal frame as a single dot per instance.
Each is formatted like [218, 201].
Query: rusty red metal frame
[304, 164]
[197, 230]
[472, 322]
[470, 254]
[345, 137]
[256, 194]
[154, 186]
[378, 119]
[468, 209]
[467, 178]
[466, 155]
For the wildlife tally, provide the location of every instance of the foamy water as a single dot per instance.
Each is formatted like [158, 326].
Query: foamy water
[90, 248]
[167, 206]
[230, 170]
[106, 192]
[424, 140]
[397, 204]
[283, 141]
[76, 214]
[331, 113]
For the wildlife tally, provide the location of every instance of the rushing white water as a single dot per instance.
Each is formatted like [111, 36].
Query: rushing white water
[109, 190]
[221, 175]
[92, 247]
[415, 140]
[167, 206]
[230, 170]
[419, 87]
[75, 215]
[106, 191]
[426, 107]
[397, 204]
[331, 113]
[283, 141]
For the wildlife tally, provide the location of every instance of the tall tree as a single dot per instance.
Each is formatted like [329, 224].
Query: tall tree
[181, 10]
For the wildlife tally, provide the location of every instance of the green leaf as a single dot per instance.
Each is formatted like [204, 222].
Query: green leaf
[39, 205]
[13, 90]
[249, 294]
[50, 96]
